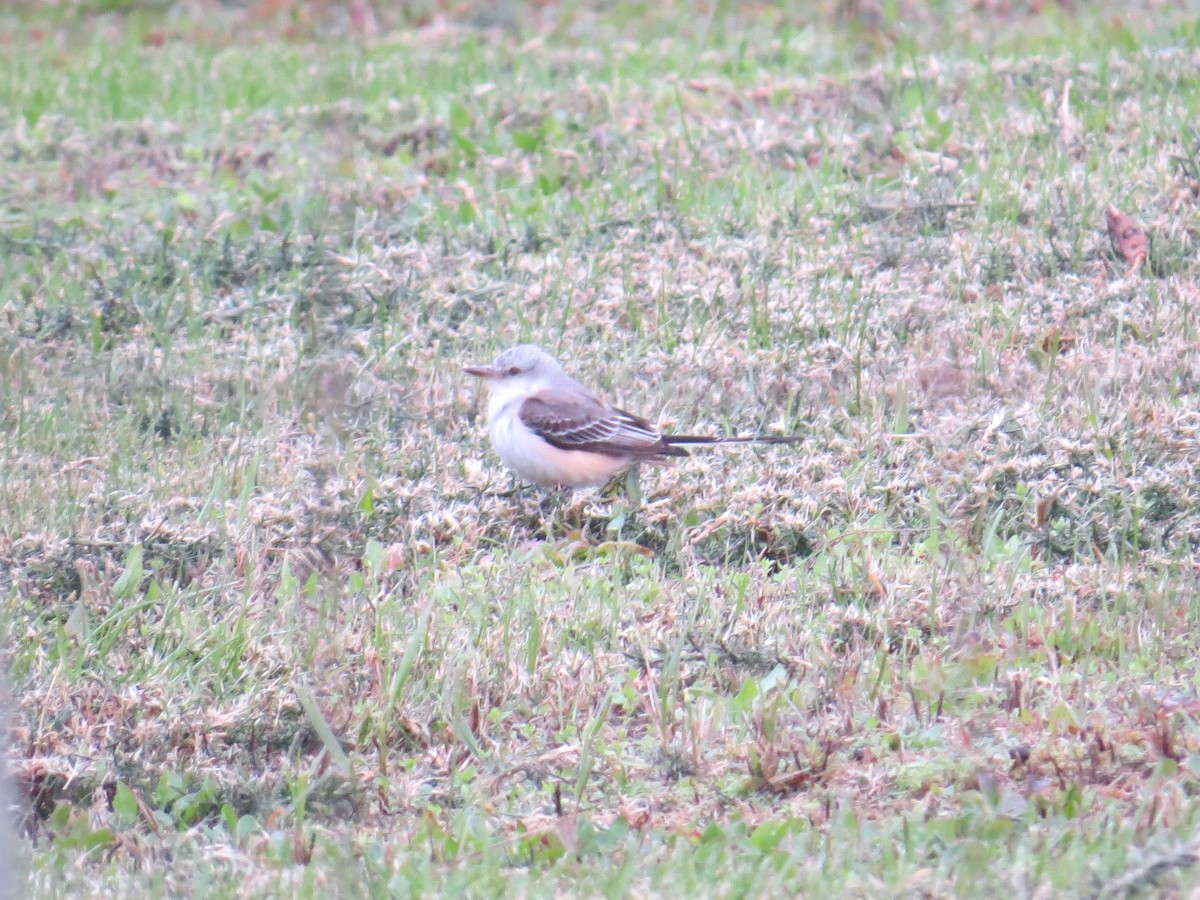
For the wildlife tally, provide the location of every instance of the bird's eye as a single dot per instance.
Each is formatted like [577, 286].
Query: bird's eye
[514, 370]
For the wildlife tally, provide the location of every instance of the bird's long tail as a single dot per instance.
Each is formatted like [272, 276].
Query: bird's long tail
[744, 439]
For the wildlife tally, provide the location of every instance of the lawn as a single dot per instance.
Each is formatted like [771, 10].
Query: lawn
[275, 622]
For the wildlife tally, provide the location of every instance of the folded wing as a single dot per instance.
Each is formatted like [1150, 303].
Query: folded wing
[579, 421]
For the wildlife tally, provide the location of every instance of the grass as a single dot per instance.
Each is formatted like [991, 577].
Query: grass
[273, 625]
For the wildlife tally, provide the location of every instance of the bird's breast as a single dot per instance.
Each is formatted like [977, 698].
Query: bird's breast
[535, 460]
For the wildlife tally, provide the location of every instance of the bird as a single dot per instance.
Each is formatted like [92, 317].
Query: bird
[553, 431]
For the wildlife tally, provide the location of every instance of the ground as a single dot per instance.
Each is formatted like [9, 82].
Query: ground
[277, 623]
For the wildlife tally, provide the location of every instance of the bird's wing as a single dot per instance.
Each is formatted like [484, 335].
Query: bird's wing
[578, 421]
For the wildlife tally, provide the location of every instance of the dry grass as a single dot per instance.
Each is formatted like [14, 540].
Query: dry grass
[275, 624]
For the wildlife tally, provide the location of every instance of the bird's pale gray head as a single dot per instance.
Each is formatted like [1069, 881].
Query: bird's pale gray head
[516, 362]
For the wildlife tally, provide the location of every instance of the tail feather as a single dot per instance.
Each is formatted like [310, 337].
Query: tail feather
[744, 439]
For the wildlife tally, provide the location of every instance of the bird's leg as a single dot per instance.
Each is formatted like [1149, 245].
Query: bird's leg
[633, 487]
[622, 508]
[551, 510]
[630, 481]
[518, 488]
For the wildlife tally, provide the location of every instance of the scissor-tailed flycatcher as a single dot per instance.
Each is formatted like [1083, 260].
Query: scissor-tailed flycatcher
[551, 430]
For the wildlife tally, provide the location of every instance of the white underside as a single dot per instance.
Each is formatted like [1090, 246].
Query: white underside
[535, 460]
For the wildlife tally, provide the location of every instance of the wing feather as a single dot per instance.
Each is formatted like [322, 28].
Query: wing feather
[579, 421]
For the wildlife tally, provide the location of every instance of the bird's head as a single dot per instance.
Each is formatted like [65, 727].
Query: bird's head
[526, 363]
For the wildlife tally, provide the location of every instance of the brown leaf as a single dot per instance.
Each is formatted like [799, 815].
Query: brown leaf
[301, 849]
[1056, 341]
[1045, 505]
[1128, 237]
[877, 588]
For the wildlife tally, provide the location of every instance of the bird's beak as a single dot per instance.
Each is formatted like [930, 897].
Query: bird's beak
[481, 371]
